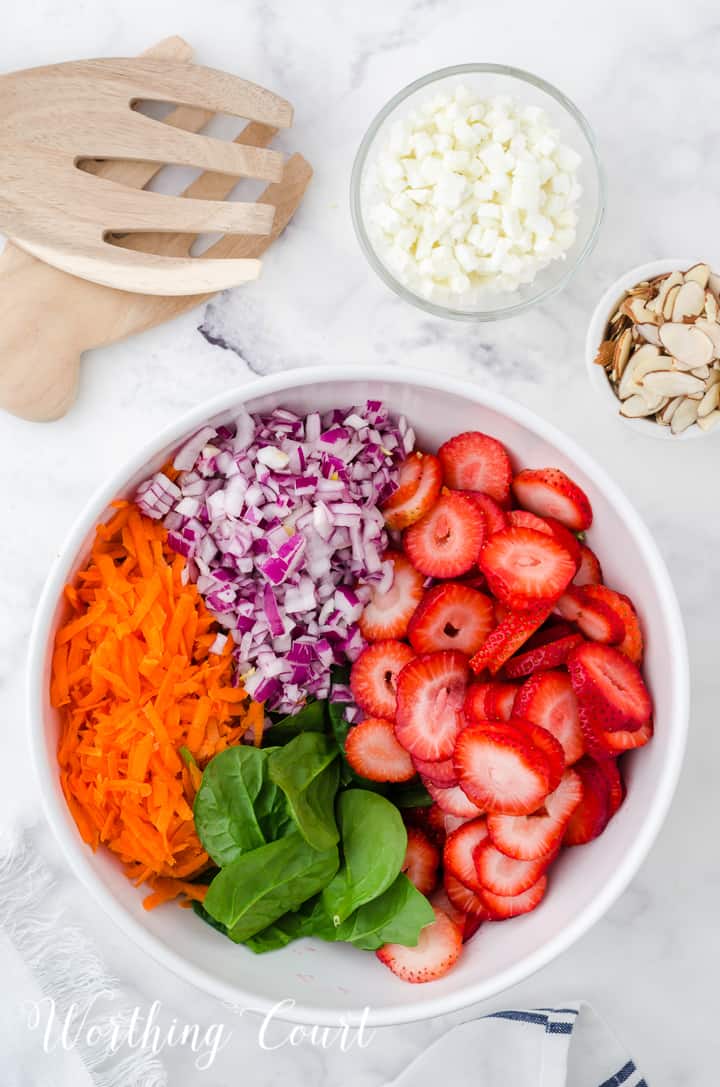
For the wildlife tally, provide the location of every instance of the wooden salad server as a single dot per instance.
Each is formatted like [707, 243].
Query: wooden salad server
[53, 118]
[49, 318]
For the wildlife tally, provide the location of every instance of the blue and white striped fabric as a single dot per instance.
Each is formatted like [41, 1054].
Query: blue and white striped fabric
[546, 1047]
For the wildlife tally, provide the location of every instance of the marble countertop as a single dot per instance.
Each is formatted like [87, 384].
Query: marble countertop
[638, 72]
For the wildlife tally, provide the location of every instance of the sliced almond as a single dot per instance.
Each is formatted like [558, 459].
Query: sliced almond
[710, 401]
[699, 273]
[675, 279]
[684, 416]
[714, 284]
[669, 303]
[644, 360]
[623, 348]
[689, 301]
[667, 383]
[668, 411]
[703, 372]
[707, 422]
[637, 407]
[713, 378]
[686, 343]
[649, 333]
[605, 353]
[711, 306]
[636, 310]
[711, 328]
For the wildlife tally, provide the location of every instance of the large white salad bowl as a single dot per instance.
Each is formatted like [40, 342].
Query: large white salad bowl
[331, 983]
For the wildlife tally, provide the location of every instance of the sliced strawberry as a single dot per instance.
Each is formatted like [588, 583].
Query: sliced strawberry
[374, 675]
[529, 837]
[511, 632]
[616, 786]
[440, 773]
[453, 800]
[421, 861]
[551, 527]
[610, 685]
[476, 462]
[430, 696]
[495, 516]
[446, 542]
[475, 696]
[548, 492]
[374, 753]
[542, 658]
[462, 897]
[525, 568]
[548, 699]
[388, 612]
[500, 771]
[501, 907]
[596, 619]
[417, 492]
[458, 852]
[440, 823]
[468, 923]
[525, 519]
[437, 951]
[552, 631]
[451, 616]
[632, 642]
[499, 701]
[589, 570]
[591, 815]
[506, 876]
[603, 744]
[474, 579]
[543, 739]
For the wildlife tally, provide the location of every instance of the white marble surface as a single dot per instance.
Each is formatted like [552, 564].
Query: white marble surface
[645, 75]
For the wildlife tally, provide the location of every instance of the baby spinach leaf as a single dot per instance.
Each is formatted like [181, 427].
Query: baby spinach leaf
[374, 841]
[310, 919]
[238, 807]
[200, 910]
[395, 917]
[307, 771]
[259, 887]
[311, 718]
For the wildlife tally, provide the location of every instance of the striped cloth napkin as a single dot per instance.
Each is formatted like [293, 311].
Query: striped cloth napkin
[545, 1047]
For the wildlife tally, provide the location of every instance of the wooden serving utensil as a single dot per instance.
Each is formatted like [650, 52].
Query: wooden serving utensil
[49, 318]
[54, 117]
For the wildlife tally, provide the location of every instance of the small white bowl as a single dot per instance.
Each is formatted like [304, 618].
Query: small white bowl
[596, 329]
[330, 982]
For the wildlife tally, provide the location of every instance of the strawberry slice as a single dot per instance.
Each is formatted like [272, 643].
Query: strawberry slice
[468, 923]
[446, 542]
[440, 823]
[500, 770]
[529, 837]
[419, 485]
[451, 616]
[542, 658]
[548, 744]
[476, 462]
[611, 686]
[506, 876]
[374, 675]
[462, 897]
[548, 492]
[595, 618]
[499, 701]
[437, 951]
[421, 861]
[603, 744]
[525, 568]
[430, 696]
[551, 527]
[589, 571]
[632, 642]
[512, 631]
[452, 800]
[495, 516]
[548, 699]
[440, 773]
[374, 753]
[458, 852]
[502, 908]
[611, 772]
[388, 612]
[591, 815]
[475, 696]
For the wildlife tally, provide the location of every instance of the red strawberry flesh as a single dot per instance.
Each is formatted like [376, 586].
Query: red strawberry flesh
[430, 696]
[374, 675]
[451, 616]
[476, 462]
[525, 568]
[446, 542]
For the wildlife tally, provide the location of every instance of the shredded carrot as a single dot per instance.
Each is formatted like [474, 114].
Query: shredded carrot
[134, 681]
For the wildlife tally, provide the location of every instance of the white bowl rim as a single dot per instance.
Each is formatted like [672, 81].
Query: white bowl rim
[599, 319]
[77, 853]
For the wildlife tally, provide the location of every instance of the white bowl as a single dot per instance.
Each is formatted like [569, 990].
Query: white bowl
[330, 982]
[596, 329]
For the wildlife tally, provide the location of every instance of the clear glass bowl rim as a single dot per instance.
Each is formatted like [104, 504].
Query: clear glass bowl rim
[359, 166]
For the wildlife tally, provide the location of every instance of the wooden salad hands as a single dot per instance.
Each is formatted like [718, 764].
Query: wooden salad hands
[48, 318]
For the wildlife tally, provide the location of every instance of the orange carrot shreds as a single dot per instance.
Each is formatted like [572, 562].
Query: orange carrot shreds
[143, 704]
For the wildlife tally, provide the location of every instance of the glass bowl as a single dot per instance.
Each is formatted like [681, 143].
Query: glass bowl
[487, 80]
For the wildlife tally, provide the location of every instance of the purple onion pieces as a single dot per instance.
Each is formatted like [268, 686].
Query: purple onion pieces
[277, 515]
